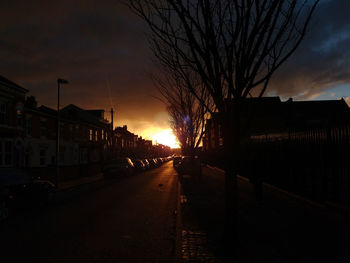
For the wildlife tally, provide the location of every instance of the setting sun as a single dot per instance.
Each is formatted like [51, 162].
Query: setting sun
[166, 137]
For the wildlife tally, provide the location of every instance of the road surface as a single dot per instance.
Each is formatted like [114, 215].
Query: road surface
[127, 220]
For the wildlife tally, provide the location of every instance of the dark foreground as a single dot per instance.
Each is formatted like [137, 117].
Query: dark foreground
[133, 220]
[127, 220]
[284, 228]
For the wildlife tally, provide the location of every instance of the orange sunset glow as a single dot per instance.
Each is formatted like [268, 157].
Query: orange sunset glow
[162, 136]
[166, 137]
[175, 131]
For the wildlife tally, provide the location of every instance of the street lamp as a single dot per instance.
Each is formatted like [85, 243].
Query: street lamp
[59, 82]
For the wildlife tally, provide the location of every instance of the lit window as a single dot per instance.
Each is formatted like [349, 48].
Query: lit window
[90, 134]
[19, 117]
[19, 114]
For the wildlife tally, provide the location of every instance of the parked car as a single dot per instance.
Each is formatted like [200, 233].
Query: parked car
[139, 165]
[160, 161]
[156, 162]
[18, 191]
[176, 160]
[118, 167]
[190, 166]
[152, 163]
[146, 163]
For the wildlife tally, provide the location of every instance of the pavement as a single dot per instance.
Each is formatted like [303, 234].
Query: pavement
[282, 228]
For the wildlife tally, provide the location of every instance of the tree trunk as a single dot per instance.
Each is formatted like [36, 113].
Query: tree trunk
[232, 140]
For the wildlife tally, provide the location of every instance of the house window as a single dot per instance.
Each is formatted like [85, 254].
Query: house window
[3, 113]
[29, 126]
[8, 153]
[19, 114]
[61, 130]
[90, 134]
[1, 154]
[102, 134]
[221, 141]
[96, 134]
[42, 156]
[77, 130]
[76, 154]
[71, 130]
[43, 127]
[5, 153]
[62, 154]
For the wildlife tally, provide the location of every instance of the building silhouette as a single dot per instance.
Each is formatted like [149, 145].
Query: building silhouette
[301, 146]
[87, 139]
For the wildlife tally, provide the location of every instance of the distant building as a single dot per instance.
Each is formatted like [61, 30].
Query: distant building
[144, 146]
[270, 116]
[28, 136]
[40, 136]
[12, 98]
[90, 131]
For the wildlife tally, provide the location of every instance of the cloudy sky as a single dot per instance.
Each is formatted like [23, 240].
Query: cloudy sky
[101, 48]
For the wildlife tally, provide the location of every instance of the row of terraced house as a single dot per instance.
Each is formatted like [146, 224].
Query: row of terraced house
[28, 137]
[300, 146]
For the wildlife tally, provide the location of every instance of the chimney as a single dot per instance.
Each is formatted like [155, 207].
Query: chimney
[31, 102]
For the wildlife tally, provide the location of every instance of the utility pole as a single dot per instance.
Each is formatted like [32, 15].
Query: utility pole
[112, 128]
[112, 123]
[59, 82]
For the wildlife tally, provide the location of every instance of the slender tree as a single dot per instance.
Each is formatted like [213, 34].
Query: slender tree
[233, 47]
[187, 114]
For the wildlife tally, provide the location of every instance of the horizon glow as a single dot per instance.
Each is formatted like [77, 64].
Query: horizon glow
[166, 137]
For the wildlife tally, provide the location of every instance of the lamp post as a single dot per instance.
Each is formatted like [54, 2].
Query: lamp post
[59, 82]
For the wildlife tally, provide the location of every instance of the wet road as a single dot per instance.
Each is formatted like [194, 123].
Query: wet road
[128, 220]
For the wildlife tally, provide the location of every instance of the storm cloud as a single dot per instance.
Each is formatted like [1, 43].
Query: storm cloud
[101, 48]
[322, 61]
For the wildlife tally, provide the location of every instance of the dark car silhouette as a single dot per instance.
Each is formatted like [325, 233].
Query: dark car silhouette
[152, 163]
[146, 163]
[118, 167]
[139, 165]
[176, 160]
[190, 166]
[18, 191]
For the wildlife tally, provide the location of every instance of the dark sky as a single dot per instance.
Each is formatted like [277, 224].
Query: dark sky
[101, 48]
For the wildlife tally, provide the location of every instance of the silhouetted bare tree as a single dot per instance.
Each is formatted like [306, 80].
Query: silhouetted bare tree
[187, 114]
[234, 47]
